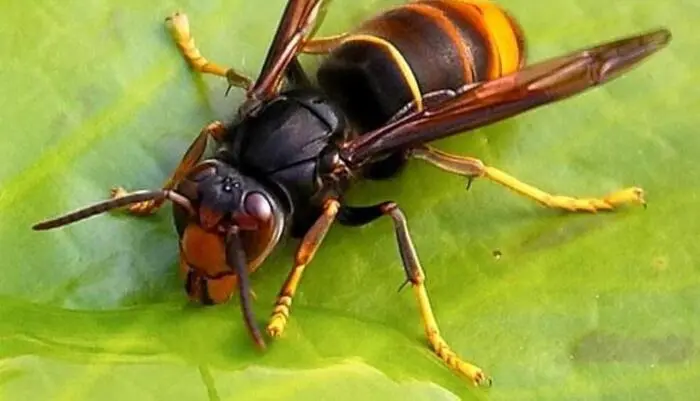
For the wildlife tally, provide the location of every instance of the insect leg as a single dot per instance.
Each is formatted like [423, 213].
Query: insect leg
[416, 276]
[179, 26]
[296, 75]
[309, 244]
[473, 168]
[189, 160]
[323, 45]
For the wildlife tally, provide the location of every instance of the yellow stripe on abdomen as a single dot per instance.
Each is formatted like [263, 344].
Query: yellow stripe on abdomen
[401, 62]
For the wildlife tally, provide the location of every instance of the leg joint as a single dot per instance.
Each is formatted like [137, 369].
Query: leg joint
[416, 277]
[389, 207]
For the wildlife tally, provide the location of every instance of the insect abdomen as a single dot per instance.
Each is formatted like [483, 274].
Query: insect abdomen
[418, 48]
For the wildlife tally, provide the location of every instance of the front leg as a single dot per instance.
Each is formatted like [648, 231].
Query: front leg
[179, 26]
[473, 168]
[193, 155]
[307, 249]
[323, 45]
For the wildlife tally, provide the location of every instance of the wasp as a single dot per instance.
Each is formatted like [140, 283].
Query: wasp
[411, 75]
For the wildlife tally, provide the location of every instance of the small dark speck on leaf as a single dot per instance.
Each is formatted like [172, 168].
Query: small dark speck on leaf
[660, 263]
[497, 254]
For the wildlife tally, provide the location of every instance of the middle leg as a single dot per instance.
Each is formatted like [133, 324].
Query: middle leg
[356, 216]
[323, 45]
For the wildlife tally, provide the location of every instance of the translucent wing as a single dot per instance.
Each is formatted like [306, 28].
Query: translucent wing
[485, 103]
[297, 23]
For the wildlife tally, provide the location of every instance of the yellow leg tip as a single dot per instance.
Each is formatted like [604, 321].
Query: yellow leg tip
[279, 317]
[277, 324]
[466, 369]
[454, 362]
[477, 376]
[611, 201]
[179, 25]
[633, 195]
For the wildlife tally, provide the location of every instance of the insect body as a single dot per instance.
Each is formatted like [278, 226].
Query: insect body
[415, 49]
[422, 47]
[384, 91]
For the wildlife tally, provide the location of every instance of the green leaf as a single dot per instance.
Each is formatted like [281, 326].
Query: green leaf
[576, 307]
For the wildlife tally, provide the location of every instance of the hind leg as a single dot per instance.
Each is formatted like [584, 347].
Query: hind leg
[473, 168]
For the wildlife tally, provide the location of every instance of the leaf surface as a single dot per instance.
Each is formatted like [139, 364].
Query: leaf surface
[576, 307]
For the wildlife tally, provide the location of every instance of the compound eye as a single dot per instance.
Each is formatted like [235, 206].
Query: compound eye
[257, 205]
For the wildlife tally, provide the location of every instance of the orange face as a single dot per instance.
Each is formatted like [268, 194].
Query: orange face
[223, 199]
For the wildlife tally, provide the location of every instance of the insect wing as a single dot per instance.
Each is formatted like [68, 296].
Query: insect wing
[478, 105]
[296, 24]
